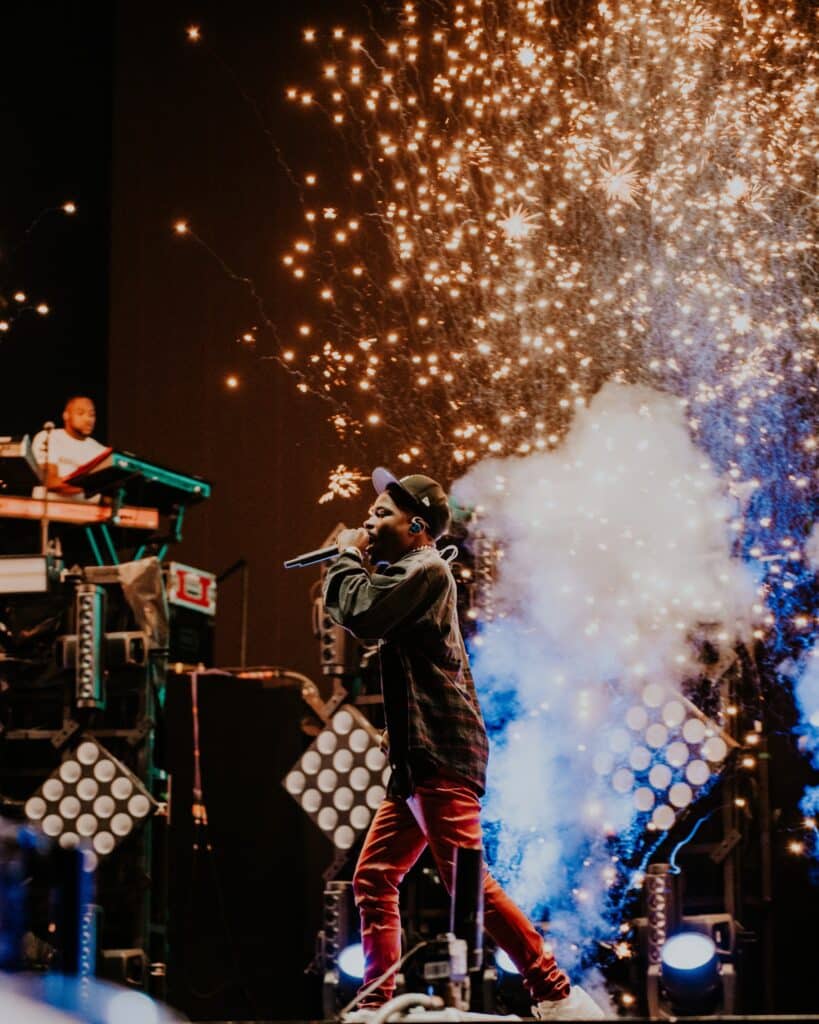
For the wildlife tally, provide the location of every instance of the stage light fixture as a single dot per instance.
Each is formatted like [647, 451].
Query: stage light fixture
[91, 796]
[690, 972]
[338, 940]
[351, 960]
[663, 755]
[340, 651]
[89, 678]
[341, 778]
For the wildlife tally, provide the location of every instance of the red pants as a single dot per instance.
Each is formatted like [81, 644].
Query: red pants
[443, 813]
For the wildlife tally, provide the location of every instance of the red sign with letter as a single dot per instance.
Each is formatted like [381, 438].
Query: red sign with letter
[192, 588]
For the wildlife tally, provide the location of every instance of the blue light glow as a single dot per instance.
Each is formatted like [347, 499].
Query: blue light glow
[504, 962]
[689, 951]
[351, 960]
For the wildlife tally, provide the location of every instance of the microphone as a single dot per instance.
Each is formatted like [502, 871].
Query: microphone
[312, 557]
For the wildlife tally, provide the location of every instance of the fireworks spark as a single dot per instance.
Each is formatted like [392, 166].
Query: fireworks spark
[703, 119]
[519, 223]
[619, 182]
[344, 483]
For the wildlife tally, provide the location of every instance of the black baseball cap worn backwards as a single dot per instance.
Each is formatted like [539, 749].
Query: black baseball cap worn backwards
[421, 494]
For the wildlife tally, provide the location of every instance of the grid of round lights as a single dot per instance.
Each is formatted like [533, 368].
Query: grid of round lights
[663, 755]
[93, 797]
[341, 778]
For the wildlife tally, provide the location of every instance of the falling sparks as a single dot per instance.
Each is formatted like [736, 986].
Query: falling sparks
[626, 195]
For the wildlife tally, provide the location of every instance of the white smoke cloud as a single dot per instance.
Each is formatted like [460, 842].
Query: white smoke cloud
[812, 548]
[617, 549]
[806, 689]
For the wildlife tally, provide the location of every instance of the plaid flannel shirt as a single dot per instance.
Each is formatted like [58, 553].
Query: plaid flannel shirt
[433, 717]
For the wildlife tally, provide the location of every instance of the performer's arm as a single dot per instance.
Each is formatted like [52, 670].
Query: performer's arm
[53, 481]
[373, 604]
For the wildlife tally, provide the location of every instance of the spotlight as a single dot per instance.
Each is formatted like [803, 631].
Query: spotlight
[341, 778]
[690, 973]
[91, 796]
[351, 960]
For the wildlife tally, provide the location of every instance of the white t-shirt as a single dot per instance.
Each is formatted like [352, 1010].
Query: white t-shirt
[65, 452]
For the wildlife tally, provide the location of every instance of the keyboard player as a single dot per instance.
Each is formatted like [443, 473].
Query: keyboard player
[60, 452]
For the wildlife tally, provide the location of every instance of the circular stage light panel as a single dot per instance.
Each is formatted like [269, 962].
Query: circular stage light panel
[673, 714]
[698, 773]
[676, 754]
[663, 817]
[680, 794]
[639, 759]
[342, 722]
[653, 695]
[88, 788]
[70, 771]
[343, 837]
[694, 731]
[656, 735]
[295, 782]
[715, 749]
[637, 718]
[623, 780]
[359, 740]
[326, 741]
[660, 777]
[345, 777]
[343, 798]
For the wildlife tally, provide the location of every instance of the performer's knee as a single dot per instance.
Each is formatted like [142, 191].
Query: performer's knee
[374, 881]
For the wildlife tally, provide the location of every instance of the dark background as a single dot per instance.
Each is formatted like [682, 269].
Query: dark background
[119, 113]
[116, 111]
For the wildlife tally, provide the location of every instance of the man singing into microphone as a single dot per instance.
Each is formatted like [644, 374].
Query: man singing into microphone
[437, 741]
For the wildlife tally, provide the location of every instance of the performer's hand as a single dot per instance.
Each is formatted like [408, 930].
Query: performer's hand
[353, 539]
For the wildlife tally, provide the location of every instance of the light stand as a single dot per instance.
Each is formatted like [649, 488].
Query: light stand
[47, 427]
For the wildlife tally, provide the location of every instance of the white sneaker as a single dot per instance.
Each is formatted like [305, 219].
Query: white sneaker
[359, 1016]
[578, 1005]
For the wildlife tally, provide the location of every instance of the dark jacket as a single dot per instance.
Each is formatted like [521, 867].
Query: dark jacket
[431, 708]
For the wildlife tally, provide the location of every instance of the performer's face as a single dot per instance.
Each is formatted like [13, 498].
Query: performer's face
[79, 417]
[389, 530]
